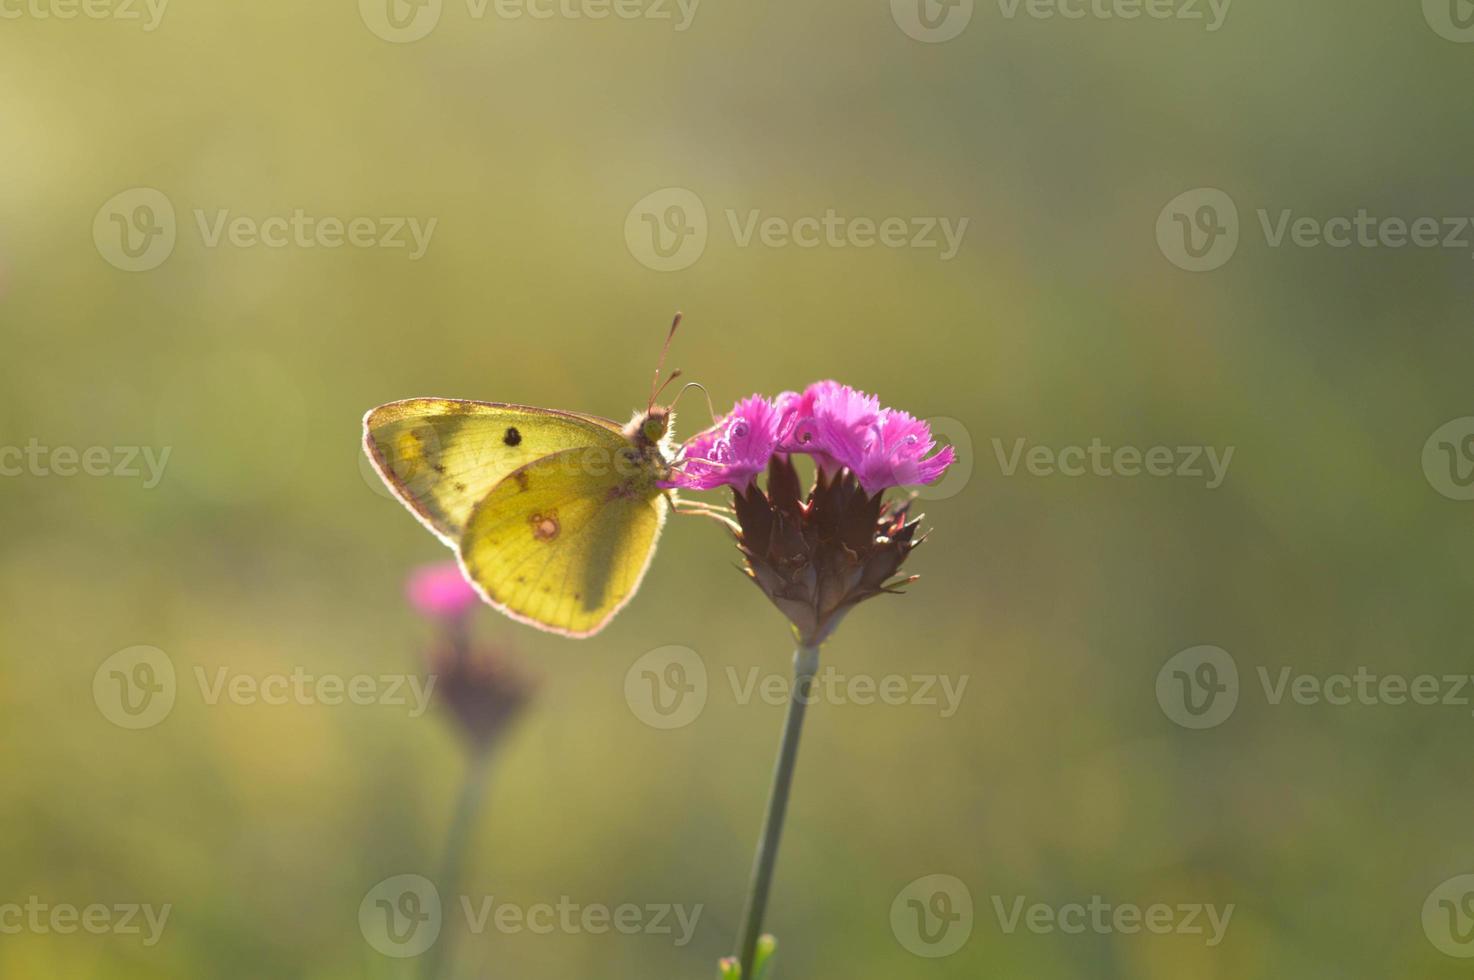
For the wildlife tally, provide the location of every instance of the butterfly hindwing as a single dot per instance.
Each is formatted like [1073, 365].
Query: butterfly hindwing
[442, 456]
[564, 541]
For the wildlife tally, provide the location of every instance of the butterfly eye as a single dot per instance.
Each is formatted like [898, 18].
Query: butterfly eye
[739, 429]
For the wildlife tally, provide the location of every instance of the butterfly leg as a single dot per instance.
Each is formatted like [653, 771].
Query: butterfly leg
[700, 508]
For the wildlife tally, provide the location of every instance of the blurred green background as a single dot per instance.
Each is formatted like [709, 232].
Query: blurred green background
[264, 548]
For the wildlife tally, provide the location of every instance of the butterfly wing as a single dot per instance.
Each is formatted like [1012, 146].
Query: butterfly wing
[441, 456]
[563, 542]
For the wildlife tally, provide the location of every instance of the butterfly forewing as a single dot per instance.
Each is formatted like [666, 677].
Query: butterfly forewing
[442, 456]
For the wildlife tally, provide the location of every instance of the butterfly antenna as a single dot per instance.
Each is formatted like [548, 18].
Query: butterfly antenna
[693, 384]
[673, 376]
[655, 386]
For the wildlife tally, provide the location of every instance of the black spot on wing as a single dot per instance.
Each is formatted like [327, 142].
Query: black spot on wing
[512, 437]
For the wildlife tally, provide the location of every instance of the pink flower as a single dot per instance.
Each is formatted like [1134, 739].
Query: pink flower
[895, 454]
[734, 450]
[842, 427]
[827, 420]
[440, 591]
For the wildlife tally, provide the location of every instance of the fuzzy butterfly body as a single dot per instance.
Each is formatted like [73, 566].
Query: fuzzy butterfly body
[554, 515]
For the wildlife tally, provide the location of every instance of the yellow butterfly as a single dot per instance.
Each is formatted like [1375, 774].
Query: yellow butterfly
[553, 515]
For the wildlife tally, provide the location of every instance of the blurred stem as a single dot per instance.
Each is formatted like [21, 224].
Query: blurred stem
[805, 666]
[453, 860]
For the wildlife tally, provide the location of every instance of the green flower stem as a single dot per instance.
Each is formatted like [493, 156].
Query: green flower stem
[805, 666]
[453, 861]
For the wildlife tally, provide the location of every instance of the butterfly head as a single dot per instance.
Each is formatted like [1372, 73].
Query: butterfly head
[651, 432]
[655, 425]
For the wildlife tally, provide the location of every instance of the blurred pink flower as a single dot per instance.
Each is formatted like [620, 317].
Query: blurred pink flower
[440, 591]
[482, 688]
